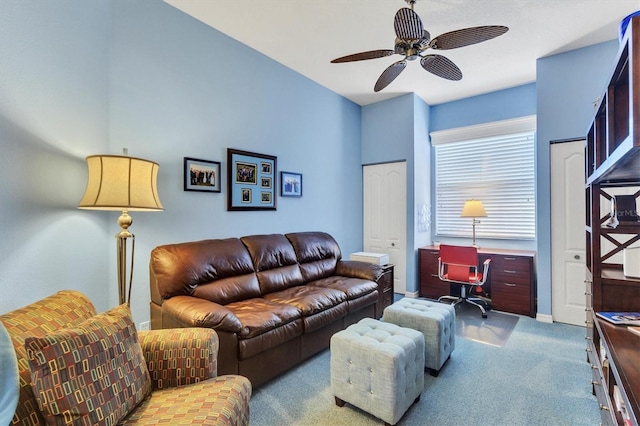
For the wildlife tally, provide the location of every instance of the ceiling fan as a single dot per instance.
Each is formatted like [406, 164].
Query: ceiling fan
[412, 40]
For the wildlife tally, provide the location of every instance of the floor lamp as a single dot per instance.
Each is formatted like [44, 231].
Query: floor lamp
[125, 184]
[473, 209]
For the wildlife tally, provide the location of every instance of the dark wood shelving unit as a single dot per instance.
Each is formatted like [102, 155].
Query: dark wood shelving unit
[612, 155]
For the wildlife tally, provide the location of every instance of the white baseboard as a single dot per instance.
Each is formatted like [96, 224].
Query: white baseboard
[412, 294]
[544, 318]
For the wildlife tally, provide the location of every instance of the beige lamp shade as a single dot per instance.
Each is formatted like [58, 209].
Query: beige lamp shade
[121, 183]
[473, 208]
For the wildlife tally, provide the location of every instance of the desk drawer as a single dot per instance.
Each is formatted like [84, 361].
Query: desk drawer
[385, 283]
[514, 266]
[511, 297]
[434, 288]
[430, 285]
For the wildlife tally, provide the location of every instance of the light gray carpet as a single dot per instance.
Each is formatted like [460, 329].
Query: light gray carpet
[493, 330]
[539, 377]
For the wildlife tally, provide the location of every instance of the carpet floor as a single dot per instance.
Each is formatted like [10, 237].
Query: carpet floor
[539, 377]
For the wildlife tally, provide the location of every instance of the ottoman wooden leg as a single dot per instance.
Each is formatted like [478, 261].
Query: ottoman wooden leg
[339, 402]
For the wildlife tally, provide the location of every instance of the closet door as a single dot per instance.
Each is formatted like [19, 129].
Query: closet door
[568, 252]
[385, 216]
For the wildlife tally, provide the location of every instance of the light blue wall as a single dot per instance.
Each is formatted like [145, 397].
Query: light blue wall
[568, 85]
[54, 96]
[182, 89]
[80, 78]
[397, 130]
[495, 106]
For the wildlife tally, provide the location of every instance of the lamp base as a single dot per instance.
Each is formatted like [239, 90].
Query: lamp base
[124, 293]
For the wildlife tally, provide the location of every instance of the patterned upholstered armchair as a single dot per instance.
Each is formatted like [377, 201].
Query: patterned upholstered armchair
[113, 374]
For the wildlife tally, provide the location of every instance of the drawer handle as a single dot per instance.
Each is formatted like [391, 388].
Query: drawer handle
[587, 337]
[509, 271]
[593, 382]
[587, 293]
[509, 258]
[602, 407]
[594, 367]
[588, 350]
[509, 285]
[435, 275]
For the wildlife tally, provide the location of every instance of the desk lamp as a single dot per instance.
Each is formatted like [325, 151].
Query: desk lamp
[473, 209]
[124, 184]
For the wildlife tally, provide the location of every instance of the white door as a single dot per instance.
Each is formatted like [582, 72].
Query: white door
[568, 233]
[385, 216]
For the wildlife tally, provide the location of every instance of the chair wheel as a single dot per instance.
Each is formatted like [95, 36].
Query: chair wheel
[484, 315]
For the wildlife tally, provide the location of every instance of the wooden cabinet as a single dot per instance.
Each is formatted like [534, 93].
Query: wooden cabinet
[612, 155]
[510, 286]
[430, 285]
[385, 289]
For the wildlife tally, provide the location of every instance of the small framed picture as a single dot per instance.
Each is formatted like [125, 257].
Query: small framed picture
[201, 175]
[290, 184]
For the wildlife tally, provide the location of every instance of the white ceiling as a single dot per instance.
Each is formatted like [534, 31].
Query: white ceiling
[305, 35]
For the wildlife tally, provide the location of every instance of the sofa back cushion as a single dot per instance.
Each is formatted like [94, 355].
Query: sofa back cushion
[318, 254]
[217, 270]
[274, 261]
[63, 309]
[94, 373]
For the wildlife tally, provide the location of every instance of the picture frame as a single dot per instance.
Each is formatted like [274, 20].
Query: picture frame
[251, 181]
[201, 175]
[290, 184]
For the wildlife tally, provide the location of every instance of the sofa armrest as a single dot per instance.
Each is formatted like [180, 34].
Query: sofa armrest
[179, 356]
[189, 311]
[357, 269]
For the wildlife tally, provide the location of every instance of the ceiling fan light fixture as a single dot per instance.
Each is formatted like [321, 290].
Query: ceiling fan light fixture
[412, 40]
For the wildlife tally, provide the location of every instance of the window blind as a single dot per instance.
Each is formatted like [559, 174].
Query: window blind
[500, 172]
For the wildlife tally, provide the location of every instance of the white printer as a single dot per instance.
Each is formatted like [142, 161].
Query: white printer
[375, 258]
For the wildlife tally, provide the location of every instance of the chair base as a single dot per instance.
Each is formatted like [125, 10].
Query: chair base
[479, 302]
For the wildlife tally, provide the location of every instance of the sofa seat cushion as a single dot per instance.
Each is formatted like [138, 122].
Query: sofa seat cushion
[269, 339]
[94, 373]
[308, 299]
[258, 316]
[352, 287]
[220, 401]
[326, 317]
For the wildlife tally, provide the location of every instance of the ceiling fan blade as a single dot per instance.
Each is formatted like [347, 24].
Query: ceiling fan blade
[408, 25]
[441, 66]
[371, 54]
[389, 75]
[467, 36]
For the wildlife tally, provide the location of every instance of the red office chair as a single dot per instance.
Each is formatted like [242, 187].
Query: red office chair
[459, 265]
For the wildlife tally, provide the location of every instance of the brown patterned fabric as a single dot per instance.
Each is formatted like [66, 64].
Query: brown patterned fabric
[180, 356]
[61, 310]
[175, 357]
[220, 401]
[94, 373]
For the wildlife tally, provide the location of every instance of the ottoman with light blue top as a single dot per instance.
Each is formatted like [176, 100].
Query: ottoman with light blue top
[435, 320]
[377, 367]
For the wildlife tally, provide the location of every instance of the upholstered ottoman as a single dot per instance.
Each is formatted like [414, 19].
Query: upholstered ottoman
[436, 321]
[377, 367]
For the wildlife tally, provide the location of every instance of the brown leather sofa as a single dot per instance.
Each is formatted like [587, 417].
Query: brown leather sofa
[274, 300]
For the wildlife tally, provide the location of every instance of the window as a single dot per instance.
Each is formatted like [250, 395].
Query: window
[498, 169]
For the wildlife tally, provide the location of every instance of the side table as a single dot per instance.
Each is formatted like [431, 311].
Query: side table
[385, 289]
